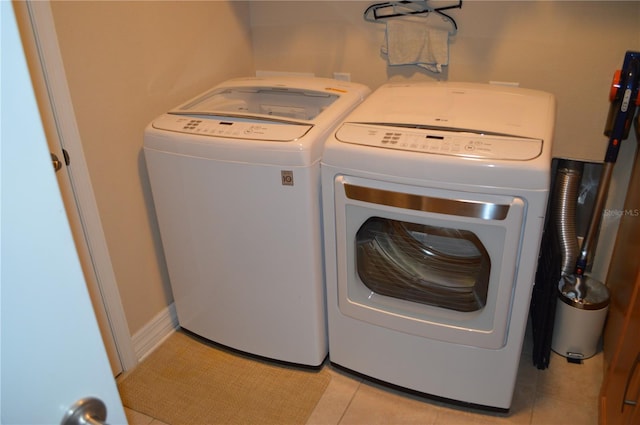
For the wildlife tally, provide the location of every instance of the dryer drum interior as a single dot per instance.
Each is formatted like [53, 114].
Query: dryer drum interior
[442, 267]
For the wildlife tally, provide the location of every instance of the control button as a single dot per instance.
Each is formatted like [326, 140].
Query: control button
[191, 124]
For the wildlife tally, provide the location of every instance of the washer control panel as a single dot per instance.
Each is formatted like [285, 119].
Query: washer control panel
[443, 142]
[235, 128]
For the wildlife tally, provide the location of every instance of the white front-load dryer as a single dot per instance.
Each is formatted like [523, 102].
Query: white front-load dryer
[235, 178]
[434, 198]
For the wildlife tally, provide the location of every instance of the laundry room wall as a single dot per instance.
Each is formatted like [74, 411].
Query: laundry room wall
[126, 63]
[568, 48]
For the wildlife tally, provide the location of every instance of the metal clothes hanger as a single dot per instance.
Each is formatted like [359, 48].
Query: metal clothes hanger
[391, 9]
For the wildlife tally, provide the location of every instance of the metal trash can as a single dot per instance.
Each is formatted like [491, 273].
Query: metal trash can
[578, 324]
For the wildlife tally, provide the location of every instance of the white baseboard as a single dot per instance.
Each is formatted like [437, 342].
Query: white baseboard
[155, 332]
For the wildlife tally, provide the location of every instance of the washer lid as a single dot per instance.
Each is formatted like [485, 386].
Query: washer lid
[273, 103]
[273, 114]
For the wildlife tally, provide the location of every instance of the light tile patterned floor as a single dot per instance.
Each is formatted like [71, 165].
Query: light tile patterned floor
[562, 394]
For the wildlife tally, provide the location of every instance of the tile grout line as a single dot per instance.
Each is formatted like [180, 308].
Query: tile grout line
[350, 401]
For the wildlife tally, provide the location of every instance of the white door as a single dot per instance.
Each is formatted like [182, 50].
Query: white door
[40, 44]
[52, 353]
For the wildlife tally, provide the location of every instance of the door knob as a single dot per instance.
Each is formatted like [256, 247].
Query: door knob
[86, 411]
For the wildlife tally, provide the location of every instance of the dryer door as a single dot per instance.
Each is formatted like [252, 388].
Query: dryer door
[435, 263]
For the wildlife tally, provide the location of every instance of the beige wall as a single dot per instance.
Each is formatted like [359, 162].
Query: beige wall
[126, 63]
[568, 48]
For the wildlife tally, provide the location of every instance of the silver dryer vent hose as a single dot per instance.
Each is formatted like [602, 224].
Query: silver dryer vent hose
[565, 197]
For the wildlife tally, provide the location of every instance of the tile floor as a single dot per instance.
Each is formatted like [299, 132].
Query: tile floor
[562, 394]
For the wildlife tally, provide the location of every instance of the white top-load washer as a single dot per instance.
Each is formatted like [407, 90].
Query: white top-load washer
[434, 198]
[235, 177]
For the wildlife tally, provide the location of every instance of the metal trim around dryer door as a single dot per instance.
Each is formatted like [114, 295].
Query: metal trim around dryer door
[482, 210]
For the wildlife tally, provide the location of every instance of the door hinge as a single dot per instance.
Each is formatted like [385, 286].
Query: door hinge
[67, 158]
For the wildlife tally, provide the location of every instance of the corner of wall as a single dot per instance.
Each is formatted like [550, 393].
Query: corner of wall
[151, 335]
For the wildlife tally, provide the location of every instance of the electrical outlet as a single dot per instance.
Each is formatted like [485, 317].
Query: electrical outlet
[505, 83]
[342, 76]
[267, 74]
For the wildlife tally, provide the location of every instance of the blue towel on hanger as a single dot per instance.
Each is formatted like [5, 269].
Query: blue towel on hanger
[410, 41]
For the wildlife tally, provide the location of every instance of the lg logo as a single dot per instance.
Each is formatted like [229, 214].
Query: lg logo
[287, 177]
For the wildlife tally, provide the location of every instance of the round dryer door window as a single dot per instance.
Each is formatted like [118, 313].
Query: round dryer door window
[442, 267]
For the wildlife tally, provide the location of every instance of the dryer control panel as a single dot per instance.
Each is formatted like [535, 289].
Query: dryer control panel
[233, 127]
[443, 142]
